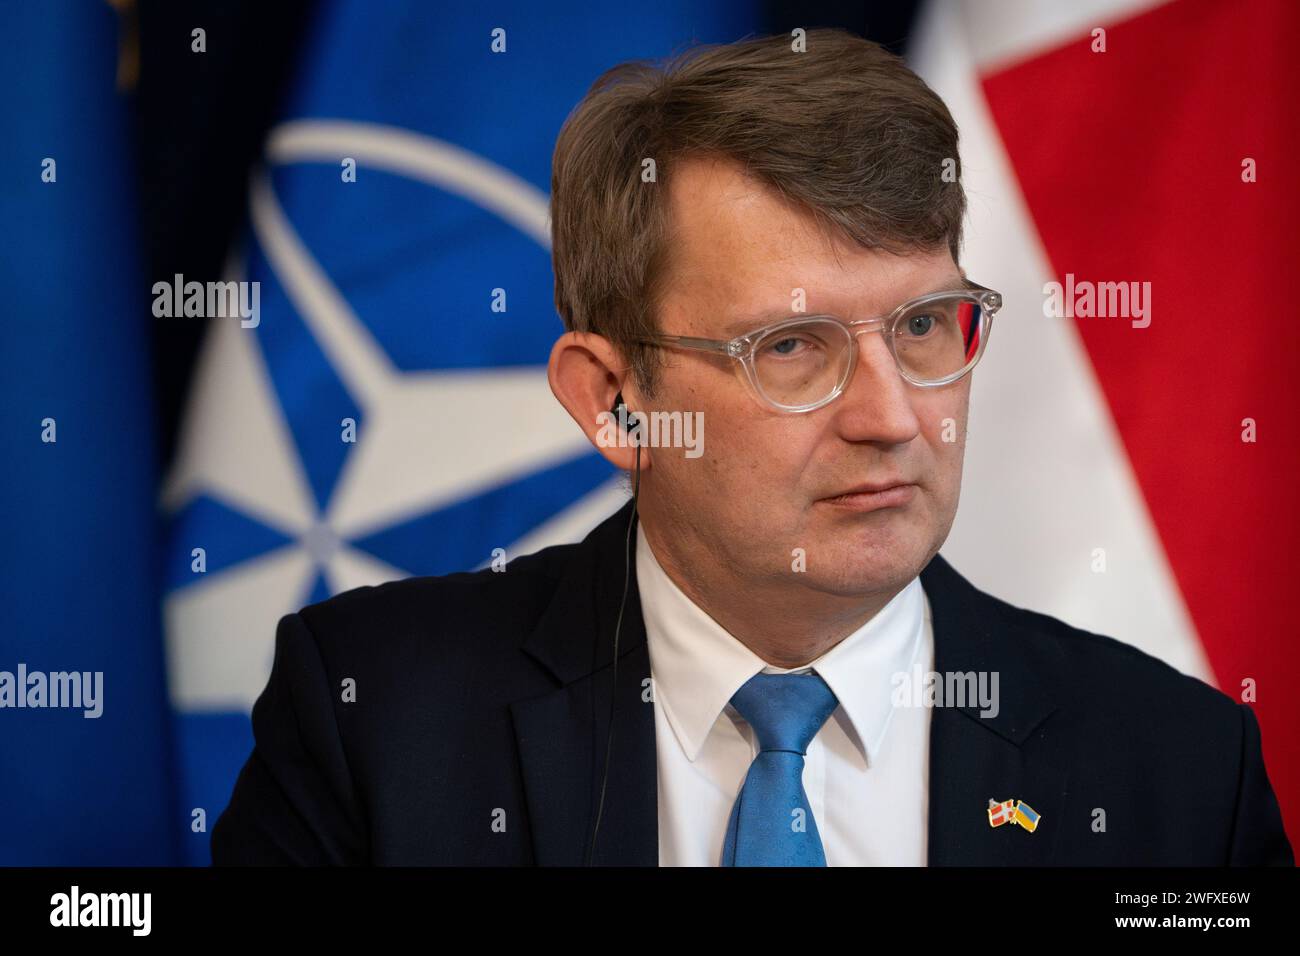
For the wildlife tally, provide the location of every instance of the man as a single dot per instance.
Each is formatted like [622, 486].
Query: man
[725, 671]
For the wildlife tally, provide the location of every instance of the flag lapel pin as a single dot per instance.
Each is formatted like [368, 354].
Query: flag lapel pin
[1001, 812]
[1025, 816]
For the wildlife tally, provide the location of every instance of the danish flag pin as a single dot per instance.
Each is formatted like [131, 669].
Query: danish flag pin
[1003, 812]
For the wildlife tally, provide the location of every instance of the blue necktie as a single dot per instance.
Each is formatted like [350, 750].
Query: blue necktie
[767, 827]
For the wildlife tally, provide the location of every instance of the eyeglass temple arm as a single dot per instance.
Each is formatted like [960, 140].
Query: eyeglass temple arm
[689, 342]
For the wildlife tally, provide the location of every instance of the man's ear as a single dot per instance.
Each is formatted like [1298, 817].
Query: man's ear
[586, 374]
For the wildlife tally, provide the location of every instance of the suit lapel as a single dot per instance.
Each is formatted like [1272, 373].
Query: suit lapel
[1006, 756]
[561, 735]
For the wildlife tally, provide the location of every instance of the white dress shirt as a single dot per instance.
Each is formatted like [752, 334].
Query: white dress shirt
[867, 770]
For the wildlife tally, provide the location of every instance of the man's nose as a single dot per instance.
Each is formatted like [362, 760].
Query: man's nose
[877, 400]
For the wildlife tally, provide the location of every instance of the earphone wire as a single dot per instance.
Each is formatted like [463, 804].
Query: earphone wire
[627, 576]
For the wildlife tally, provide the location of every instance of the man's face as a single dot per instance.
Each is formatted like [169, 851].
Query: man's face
[762, 487]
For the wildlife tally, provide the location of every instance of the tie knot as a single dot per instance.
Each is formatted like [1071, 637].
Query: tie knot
[785, 710]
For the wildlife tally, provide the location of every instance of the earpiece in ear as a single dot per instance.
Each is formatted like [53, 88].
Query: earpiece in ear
[620, 411]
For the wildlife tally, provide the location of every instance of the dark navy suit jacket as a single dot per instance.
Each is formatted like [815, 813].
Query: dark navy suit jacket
[477, 733]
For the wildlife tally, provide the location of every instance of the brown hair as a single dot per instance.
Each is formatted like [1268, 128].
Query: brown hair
[844, 129]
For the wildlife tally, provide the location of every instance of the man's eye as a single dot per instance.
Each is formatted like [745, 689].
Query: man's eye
[790, 346]
[920, 325]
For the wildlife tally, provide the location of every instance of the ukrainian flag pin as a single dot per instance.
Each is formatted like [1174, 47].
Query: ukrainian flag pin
[1025, 816]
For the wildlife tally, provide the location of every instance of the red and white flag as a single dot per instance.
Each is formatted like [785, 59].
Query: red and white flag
[1132, 460]
[1000, 813]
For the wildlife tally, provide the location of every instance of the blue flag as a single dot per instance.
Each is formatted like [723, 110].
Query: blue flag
[85, 749]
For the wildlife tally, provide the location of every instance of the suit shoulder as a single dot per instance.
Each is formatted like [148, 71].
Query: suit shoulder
[1116, 671]
[448, 606]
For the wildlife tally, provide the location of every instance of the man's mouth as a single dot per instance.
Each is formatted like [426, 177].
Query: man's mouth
[872, 497]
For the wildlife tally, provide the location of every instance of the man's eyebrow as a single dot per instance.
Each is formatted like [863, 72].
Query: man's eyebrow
[758, 320]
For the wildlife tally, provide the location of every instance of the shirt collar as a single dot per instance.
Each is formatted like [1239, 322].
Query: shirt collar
[698, 665]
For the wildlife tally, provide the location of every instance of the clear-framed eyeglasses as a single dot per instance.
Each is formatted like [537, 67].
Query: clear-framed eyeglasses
[802, 363]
